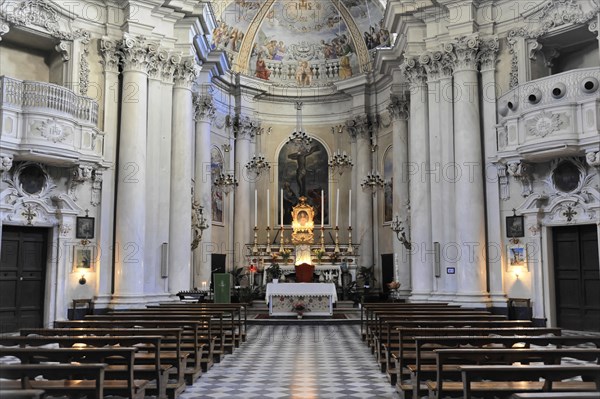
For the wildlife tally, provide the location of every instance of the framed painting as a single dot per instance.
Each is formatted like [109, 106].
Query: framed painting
[85, 227]
[515, 227]
[83, 258]
[516, 255]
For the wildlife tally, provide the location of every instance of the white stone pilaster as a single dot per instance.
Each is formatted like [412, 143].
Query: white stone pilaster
[106, 210]
[180, 219]
[399, 110]
[495, 243]
[130, 219]
[470, 209]
[421, 260]
[362, 229]
[204, 114]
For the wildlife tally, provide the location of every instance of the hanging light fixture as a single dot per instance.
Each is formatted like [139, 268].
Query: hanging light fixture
[257, 165]
[373, 182]
[340, 162]
[299, 140]
[226, 182]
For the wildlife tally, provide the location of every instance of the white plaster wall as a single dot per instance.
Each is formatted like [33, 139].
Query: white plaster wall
[22, 64]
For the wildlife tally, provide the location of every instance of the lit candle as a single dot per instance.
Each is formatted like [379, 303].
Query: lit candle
[268, 209]
[337, 208]
[322, 208]
[204, 286]
[281, 208]
[255, 207]
[350, 209]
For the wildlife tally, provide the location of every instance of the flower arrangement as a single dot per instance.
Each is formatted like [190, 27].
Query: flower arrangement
[394, 285]
[285, 255]
[299, 307]
[319, 253]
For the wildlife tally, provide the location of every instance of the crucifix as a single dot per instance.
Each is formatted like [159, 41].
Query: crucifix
[29, 215]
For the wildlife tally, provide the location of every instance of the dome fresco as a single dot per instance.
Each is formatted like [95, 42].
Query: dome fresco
[300, 43]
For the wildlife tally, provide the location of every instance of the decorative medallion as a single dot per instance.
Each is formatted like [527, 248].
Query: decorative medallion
[545, 124]
[52, 131]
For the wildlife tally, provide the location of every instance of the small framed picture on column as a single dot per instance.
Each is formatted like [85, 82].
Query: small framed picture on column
[85, 227]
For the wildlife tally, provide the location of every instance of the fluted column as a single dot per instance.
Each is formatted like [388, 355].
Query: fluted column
[470, 210]
[204, 115]
[105, 216]
[152, 254]
[130, 221]
[180, 220]
[359, 129]
[496, 248]
[431, 63]
[398, 110]
[421, 261]
[244, 199]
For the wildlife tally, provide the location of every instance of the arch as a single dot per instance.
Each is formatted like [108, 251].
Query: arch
[308, 182]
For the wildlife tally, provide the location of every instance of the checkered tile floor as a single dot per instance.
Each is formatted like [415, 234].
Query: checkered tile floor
[296, 361]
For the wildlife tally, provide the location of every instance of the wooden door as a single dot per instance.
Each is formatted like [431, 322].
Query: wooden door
[22, 277]
[577, 277]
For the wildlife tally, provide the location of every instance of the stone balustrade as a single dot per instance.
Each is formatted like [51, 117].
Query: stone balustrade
[550, 116]
[323, 72]
[48, 120]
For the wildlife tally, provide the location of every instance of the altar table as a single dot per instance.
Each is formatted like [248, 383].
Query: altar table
[318, 298]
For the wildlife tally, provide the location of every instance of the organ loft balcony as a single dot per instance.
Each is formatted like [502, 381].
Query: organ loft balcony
[45, 122]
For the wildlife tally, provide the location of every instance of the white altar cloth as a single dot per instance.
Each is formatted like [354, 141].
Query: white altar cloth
[305, 290]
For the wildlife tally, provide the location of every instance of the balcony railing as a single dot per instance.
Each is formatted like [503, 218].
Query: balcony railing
[29, 95]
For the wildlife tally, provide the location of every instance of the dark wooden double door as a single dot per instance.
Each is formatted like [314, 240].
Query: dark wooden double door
[22, 277]
[577, 277]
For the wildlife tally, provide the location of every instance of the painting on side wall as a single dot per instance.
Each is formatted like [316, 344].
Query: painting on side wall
[216, 167]
[388, 198]
[303, 172]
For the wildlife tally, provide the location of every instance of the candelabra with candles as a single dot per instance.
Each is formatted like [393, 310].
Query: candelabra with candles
[373, 182]
[398, 228]
[257, 165]
[340, 162]
[350, 248]
[322, 241]
[255, 247]
[268, 240]
[226, 182]
[336, 249]
[300, 140]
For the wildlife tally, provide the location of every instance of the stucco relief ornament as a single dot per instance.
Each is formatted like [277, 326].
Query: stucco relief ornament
[545, 124]
[4, 28]
[204, 109]
[398, 108]
[521, 171]
[52, 131]
[534, 229]
[593, 158]
[6, 163]
[65, 229]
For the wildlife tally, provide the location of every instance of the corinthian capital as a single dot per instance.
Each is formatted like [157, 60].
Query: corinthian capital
[134, 53]
[414, 72]
[487, 53]
[398, 107]
[359, 127]
[110, 55]
[186, 72]
[463, 52]
[204, 109]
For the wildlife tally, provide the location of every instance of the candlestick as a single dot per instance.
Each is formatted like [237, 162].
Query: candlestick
[281, 209]
[255, 247]
[268, 209]
[322, 238]
[268, 240]
[337, 240]
[350, 247]
[255, 207]
[281, 239]
[337, 208]
[350, 209]
[322, 208]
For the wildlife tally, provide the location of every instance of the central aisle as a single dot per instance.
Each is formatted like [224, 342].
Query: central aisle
[296, 361]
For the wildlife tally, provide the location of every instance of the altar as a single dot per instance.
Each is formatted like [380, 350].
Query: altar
[317, 297]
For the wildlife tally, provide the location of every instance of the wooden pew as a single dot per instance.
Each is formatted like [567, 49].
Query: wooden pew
[557, 395]
[401, 350]
[22, 394]
[178, 358]
[504, 380]
[58, 381]
[121, 384]
[157, 374]
[239, 309]
[450, 361]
